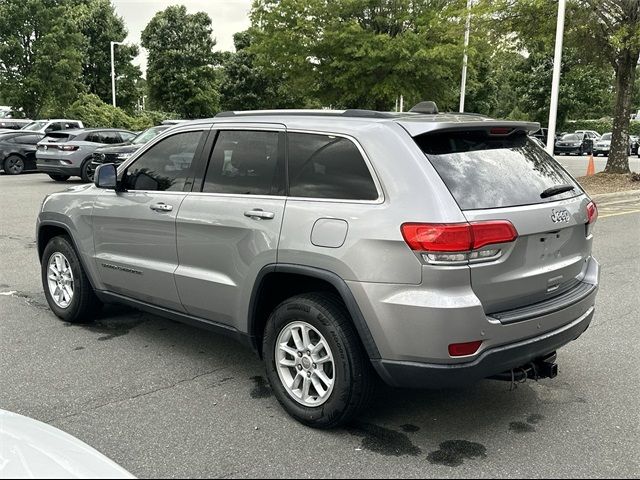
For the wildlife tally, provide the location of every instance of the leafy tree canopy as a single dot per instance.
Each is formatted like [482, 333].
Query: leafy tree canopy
[181, 71]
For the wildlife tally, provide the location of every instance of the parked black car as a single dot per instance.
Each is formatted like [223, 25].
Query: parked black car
[18, 151]
[117, 154]
[578, 143]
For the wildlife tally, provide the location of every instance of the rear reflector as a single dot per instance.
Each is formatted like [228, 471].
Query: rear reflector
[457, 237]
[464, 349]
[592, 213]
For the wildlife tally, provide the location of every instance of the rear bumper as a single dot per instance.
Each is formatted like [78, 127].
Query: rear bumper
[490, 362]
[57, 169]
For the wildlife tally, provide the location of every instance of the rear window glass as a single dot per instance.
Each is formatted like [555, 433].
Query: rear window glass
[482, 171]
[572, 137]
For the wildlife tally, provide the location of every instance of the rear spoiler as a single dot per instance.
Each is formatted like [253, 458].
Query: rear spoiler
[505, 127]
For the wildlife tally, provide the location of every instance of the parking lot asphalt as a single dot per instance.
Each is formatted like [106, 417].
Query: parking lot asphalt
[577, 165]
[168, 400]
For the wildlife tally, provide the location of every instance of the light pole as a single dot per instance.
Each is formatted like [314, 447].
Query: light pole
[463, 85]
[555, 84]
[113, 72]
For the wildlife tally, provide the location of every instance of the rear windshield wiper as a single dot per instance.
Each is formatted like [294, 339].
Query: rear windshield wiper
[557, 190]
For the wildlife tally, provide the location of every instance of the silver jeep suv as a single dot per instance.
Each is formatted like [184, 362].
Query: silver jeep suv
[427, 250]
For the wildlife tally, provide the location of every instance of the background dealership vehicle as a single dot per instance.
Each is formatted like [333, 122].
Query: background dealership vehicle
[18, 151]
[432, 250]
[578, 143]
[592, 134]
[47, 126]
[69, 153]
[603, 145]
[117, 154]
[32, 449]
[9, 124]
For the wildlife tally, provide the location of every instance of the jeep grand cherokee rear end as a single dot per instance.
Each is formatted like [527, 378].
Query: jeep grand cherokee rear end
[508, 286]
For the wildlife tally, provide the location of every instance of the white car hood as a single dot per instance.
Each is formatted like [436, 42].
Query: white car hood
[31, 449]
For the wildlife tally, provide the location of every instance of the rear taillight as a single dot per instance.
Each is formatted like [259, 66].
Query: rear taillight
[592, 213]
[68, 148]
[458, 242]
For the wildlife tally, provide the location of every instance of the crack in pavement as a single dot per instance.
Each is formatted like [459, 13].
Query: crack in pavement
[134, 397]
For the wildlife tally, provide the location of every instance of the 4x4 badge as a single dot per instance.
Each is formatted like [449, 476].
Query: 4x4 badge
[558, 216]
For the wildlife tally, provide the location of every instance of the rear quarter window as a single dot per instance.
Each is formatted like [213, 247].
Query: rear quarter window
[328, 166]
[483, 171]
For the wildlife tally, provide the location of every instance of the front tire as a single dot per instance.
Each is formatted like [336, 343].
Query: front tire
[86, 172]
[66, 286]
[13, 165]
[315, 363]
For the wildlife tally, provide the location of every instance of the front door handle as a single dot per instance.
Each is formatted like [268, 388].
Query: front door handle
[259, 213]
[161, 207]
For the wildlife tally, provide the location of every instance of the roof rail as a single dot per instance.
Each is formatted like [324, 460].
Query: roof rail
[353, 113]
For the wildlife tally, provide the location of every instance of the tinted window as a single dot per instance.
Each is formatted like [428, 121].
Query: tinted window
[110, 138]
[326, 166]
[490, 172]
[246, 163]
[28, 139]
[165, 166]
[126, 136]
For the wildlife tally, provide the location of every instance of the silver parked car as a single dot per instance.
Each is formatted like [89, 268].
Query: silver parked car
[69, 153]
[429, 250]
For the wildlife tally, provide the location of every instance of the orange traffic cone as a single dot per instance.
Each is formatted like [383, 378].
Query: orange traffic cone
[591, 169]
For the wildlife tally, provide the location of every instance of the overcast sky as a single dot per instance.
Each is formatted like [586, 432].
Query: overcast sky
[228, 16]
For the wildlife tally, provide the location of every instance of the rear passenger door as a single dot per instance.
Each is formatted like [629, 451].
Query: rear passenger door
[229, 229]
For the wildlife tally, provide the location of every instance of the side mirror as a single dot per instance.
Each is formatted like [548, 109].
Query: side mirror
[106, 176]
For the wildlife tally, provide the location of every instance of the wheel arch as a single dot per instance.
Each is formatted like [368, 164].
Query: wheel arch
[277, 282]
[50, 229]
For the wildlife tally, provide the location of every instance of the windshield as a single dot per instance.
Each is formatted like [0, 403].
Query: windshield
[32, 127]
[606, 136]
[572, 137]
[148, 135]
[483, 171]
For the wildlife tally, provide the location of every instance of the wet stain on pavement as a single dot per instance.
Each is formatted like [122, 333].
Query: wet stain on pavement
[112, 328]
[453, 453]
[521, 427]
[408, 428]
[261, 389]
[535, 419]
[384, 441]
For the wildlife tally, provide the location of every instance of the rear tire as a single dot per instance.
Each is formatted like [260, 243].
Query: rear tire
[350, 372]
[59, 178]
[13, 165]
[66, 286]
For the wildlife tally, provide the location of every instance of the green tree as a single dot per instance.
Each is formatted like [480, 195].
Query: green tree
[246, 85]
[181, 75]
[362, 53]
[40, 55]
[100, 25]
[616, 33]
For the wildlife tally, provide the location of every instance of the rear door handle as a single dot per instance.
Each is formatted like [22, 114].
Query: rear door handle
[161, 207]
[258, 213]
